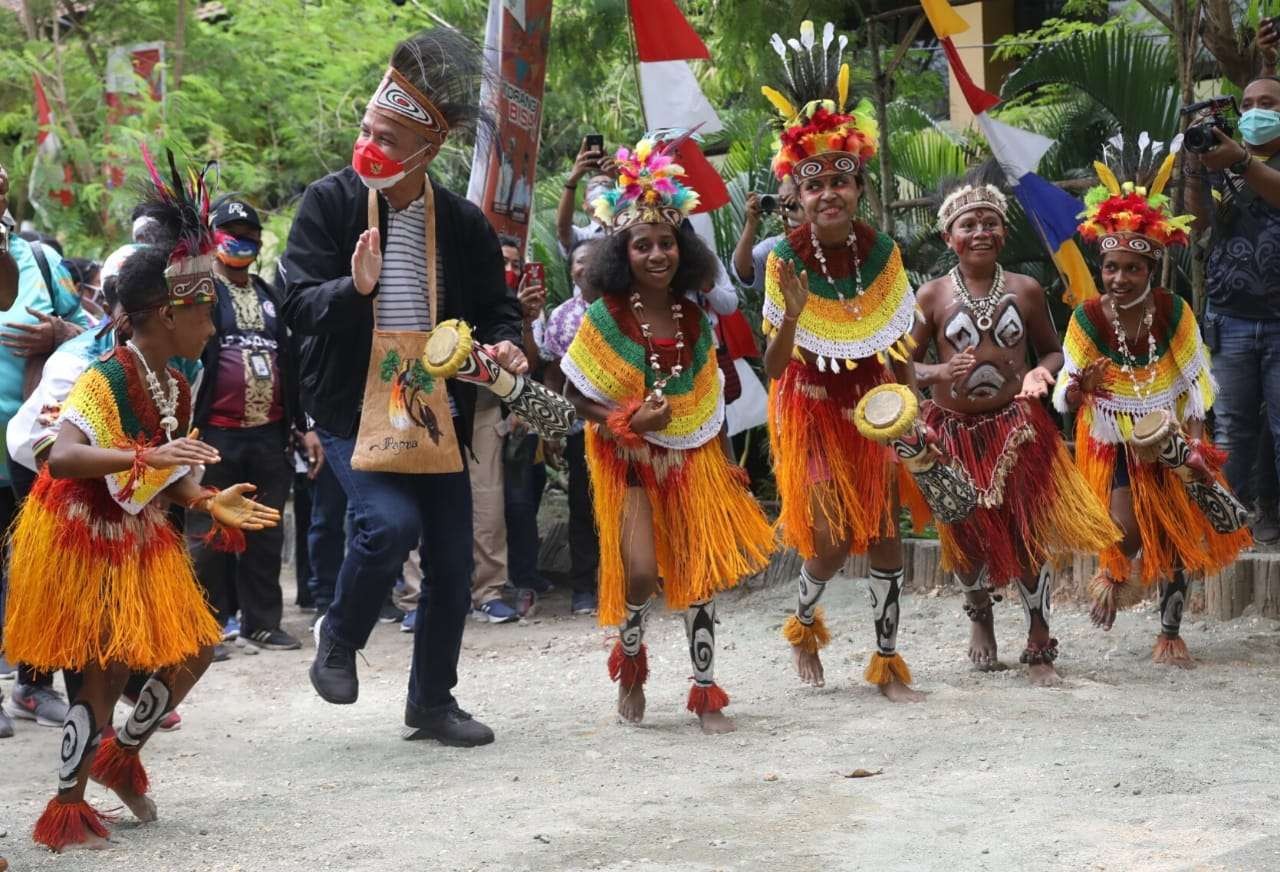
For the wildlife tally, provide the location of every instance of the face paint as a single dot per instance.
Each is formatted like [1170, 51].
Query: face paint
[375, 169]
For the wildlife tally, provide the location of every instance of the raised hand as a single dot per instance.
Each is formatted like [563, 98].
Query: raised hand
[795, 290]
[532, 297]
[588, 160]
[1036, 384]
[366, 261]
[231, 508]
[185, 451]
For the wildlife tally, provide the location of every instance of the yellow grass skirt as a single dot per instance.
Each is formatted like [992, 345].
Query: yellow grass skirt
[708, 530]
[90, 583]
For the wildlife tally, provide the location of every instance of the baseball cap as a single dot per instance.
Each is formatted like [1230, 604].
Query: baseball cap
[232, 209]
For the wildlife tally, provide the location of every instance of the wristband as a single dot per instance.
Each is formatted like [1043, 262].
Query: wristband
[619, 424]
[201, 503]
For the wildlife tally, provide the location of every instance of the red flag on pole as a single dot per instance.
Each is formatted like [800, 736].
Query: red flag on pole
[663, 34]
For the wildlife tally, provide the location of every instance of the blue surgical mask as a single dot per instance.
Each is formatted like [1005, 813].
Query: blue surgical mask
[1260, 126]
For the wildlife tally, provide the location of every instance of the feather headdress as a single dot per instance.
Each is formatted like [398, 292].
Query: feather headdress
[648, 190]
[1133, 217]
[181, 207]
[819, 135]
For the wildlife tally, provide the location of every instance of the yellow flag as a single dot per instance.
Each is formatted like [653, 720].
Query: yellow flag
[944, 20]
[1079, 279]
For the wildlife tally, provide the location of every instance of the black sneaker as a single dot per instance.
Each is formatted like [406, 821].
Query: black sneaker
[448, 725]
[389, 614]
[333, 672]
[272, 640]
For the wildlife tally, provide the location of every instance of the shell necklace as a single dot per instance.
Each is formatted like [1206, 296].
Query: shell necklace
[852, 242]
[1129, 361]
[646, 330]
[166, 404]
[983, 308]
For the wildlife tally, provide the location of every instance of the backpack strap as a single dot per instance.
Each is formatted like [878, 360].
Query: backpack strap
[46, 273]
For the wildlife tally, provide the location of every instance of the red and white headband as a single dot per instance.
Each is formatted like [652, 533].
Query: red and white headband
[398, 100]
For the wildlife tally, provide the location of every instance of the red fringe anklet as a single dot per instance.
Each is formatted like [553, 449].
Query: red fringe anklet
[116, 768]
[69, 823]
[1170, 649]
[707, 698]
[626, 670]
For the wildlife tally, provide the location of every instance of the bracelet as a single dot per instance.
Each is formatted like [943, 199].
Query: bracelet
[619, 424]
[201, 503]
[790, 319]
[571, 185]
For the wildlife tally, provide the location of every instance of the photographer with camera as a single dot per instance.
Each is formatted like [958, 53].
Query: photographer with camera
[747, 265]
[1234, 193]
[593, 164]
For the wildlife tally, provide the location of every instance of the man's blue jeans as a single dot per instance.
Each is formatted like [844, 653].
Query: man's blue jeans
[1246, 364]
[326, 537]
[390, 511]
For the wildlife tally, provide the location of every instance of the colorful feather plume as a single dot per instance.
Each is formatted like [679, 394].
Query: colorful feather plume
[648, 190]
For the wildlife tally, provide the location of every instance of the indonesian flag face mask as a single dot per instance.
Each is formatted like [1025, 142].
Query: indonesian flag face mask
[377, 170]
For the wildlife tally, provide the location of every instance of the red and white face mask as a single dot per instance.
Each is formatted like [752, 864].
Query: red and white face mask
[375, 168]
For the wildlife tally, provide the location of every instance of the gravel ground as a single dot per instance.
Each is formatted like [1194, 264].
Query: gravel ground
[1126, 766]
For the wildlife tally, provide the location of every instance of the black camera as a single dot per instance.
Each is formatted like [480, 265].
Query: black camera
[768, 204]
[1199, 138]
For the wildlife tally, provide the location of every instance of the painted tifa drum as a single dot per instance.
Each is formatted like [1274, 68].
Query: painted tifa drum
[890, 414]
[451, 353]
[1158, 438]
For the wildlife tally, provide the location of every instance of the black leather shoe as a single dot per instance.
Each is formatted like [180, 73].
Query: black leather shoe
[448, 725]
[333, 672]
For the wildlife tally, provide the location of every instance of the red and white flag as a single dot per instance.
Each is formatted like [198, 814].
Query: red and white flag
[49, 179]
[670, 93]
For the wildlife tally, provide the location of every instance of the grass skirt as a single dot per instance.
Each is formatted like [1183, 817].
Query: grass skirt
[708, 530]
[1033, 503]
[1175, 532]
[818, 452]
[90, 583]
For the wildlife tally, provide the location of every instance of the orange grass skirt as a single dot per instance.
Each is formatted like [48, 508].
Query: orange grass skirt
[708, 530]
[90, 583]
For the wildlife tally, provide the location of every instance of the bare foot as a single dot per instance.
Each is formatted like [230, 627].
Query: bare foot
[142, 806]
[896, 691]
[1043, 675]
[715, 723]
[1102, 615]
[90, 842]
[1172, 651]
[982, 645]
[631, 703]
[808, 666]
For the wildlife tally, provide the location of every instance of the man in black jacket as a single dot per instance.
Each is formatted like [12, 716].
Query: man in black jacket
[245, 408]
[336, 273]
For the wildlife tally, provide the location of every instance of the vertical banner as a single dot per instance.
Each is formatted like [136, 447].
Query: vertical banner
[506, 162]
[128, 67]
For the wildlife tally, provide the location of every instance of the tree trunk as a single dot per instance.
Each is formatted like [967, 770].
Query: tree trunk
[888, 190]
[179, 42]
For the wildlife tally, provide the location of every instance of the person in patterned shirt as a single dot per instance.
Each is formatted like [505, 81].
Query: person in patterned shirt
[244, 410]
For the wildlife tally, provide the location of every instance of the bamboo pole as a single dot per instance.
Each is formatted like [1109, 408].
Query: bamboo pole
[880, 90]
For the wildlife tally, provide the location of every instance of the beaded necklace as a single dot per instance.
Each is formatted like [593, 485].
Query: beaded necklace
[983, 308]
[852, 242]
[677, 313]
[167, 406]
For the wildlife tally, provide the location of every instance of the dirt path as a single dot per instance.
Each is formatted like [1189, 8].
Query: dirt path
[1128, 766]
